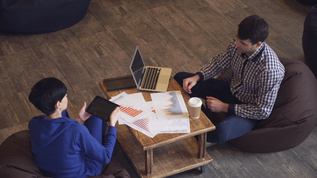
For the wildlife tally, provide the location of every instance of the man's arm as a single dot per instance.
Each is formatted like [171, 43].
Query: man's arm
[215, 105]
[189, 83]
[261, 108]
[219, 63]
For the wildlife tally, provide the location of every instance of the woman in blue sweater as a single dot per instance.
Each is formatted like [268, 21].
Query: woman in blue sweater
[64, 147]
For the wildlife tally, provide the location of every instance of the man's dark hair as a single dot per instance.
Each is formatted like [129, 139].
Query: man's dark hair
[45, 94]
[254, 28]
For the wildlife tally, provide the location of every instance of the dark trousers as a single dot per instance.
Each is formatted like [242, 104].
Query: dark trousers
[228, 126]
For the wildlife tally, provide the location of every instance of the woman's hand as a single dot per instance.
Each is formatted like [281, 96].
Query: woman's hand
[83, 115]
[114, 117]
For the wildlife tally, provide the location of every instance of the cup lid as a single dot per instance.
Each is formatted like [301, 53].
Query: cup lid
[195, 102]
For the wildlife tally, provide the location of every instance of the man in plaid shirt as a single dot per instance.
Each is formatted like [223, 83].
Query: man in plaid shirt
[235, 106]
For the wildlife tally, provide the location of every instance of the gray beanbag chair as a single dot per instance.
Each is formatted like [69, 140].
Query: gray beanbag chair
[40, 16]
[294, 115]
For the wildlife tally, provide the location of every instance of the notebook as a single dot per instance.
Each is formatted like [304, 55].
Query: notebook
[149, 78]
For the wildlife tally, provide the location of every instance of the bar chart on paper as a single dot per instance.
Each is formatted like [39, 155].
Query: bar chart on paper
[132, 107]
[171, 105]
[130, 111]
[143, 123]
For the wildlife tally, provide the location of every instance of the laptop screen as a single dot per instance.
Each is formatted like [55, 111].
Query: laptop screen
[137, 65]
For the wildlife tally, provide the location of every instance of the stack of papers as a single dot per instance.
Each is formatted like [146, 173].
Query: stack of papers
[166, 113]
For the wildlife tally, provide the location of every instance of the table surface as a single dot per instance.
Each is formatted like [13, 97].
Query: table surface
[197, 126]
[184, 142]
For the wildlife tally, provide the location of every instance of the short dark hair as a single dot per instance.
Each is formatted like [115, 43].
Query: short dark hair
[254, 28]
[45, 94]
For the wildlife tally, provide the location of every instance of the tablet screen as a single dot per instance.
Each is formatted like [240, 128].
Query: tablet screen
[119, 83]
[101, 107]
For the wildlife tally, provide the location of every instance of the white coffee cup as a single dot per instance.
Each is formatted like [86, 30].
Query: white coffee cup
[194, 107]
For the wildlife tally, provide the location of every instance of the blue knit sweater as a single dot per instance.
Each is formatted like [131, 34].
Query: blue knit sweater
[64, 148]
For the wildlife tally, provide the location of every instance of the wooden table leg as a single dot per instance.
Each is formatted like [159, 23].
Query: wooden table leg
[148, 161]
[202, 145]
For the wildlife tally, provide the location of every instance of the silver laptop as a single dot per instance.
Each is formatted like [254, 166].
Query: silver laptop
[149, 78]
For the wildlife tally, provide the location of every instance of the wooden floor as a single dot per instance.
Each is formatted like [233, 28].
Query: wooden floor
[181, 34]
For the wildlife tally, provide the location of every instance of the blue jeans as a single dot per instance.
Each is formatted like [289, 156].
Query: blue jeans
[97, 128]
[231, 126]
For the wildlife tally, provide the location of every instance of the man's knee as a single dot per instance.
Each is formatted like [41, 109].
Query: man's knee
[180, 76]
[231, 128]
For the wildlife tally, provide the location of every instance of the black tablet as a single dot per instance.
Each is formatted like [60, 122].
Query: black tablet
[101, 107]
[119, 83]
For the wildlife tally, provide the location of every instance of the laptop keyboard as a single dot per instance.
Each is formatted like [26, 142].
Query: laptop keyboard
[150, 78]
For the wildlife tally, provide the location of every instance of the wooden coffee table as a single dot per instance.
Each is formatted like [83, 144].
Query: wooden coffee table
[165, 154]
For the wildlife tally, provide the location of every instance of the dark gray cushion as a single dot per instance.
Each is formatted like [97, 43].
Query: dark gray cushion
[308, 2]
[297, 98]
[40, 16]
[309, 39]
[16, 160]
[294, 114]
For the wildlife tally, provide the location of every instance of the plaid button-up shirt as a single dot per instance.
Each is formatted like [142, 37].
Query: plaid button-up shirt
[256, 79]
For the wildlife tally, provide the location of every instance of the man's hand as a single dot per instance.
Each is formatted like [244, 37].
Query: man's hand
[83, 115]
[216, 105]
[114, 117]
[189, 83]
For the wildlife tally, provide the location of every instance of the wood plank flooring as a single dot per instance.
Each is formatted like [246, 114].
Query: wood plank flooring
[181, 34]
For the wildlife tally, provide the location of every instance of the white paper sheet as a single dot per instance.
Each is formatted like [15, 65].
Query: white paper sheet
[149, 124]
[171, 105]
[132, 107]
[173, 116]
